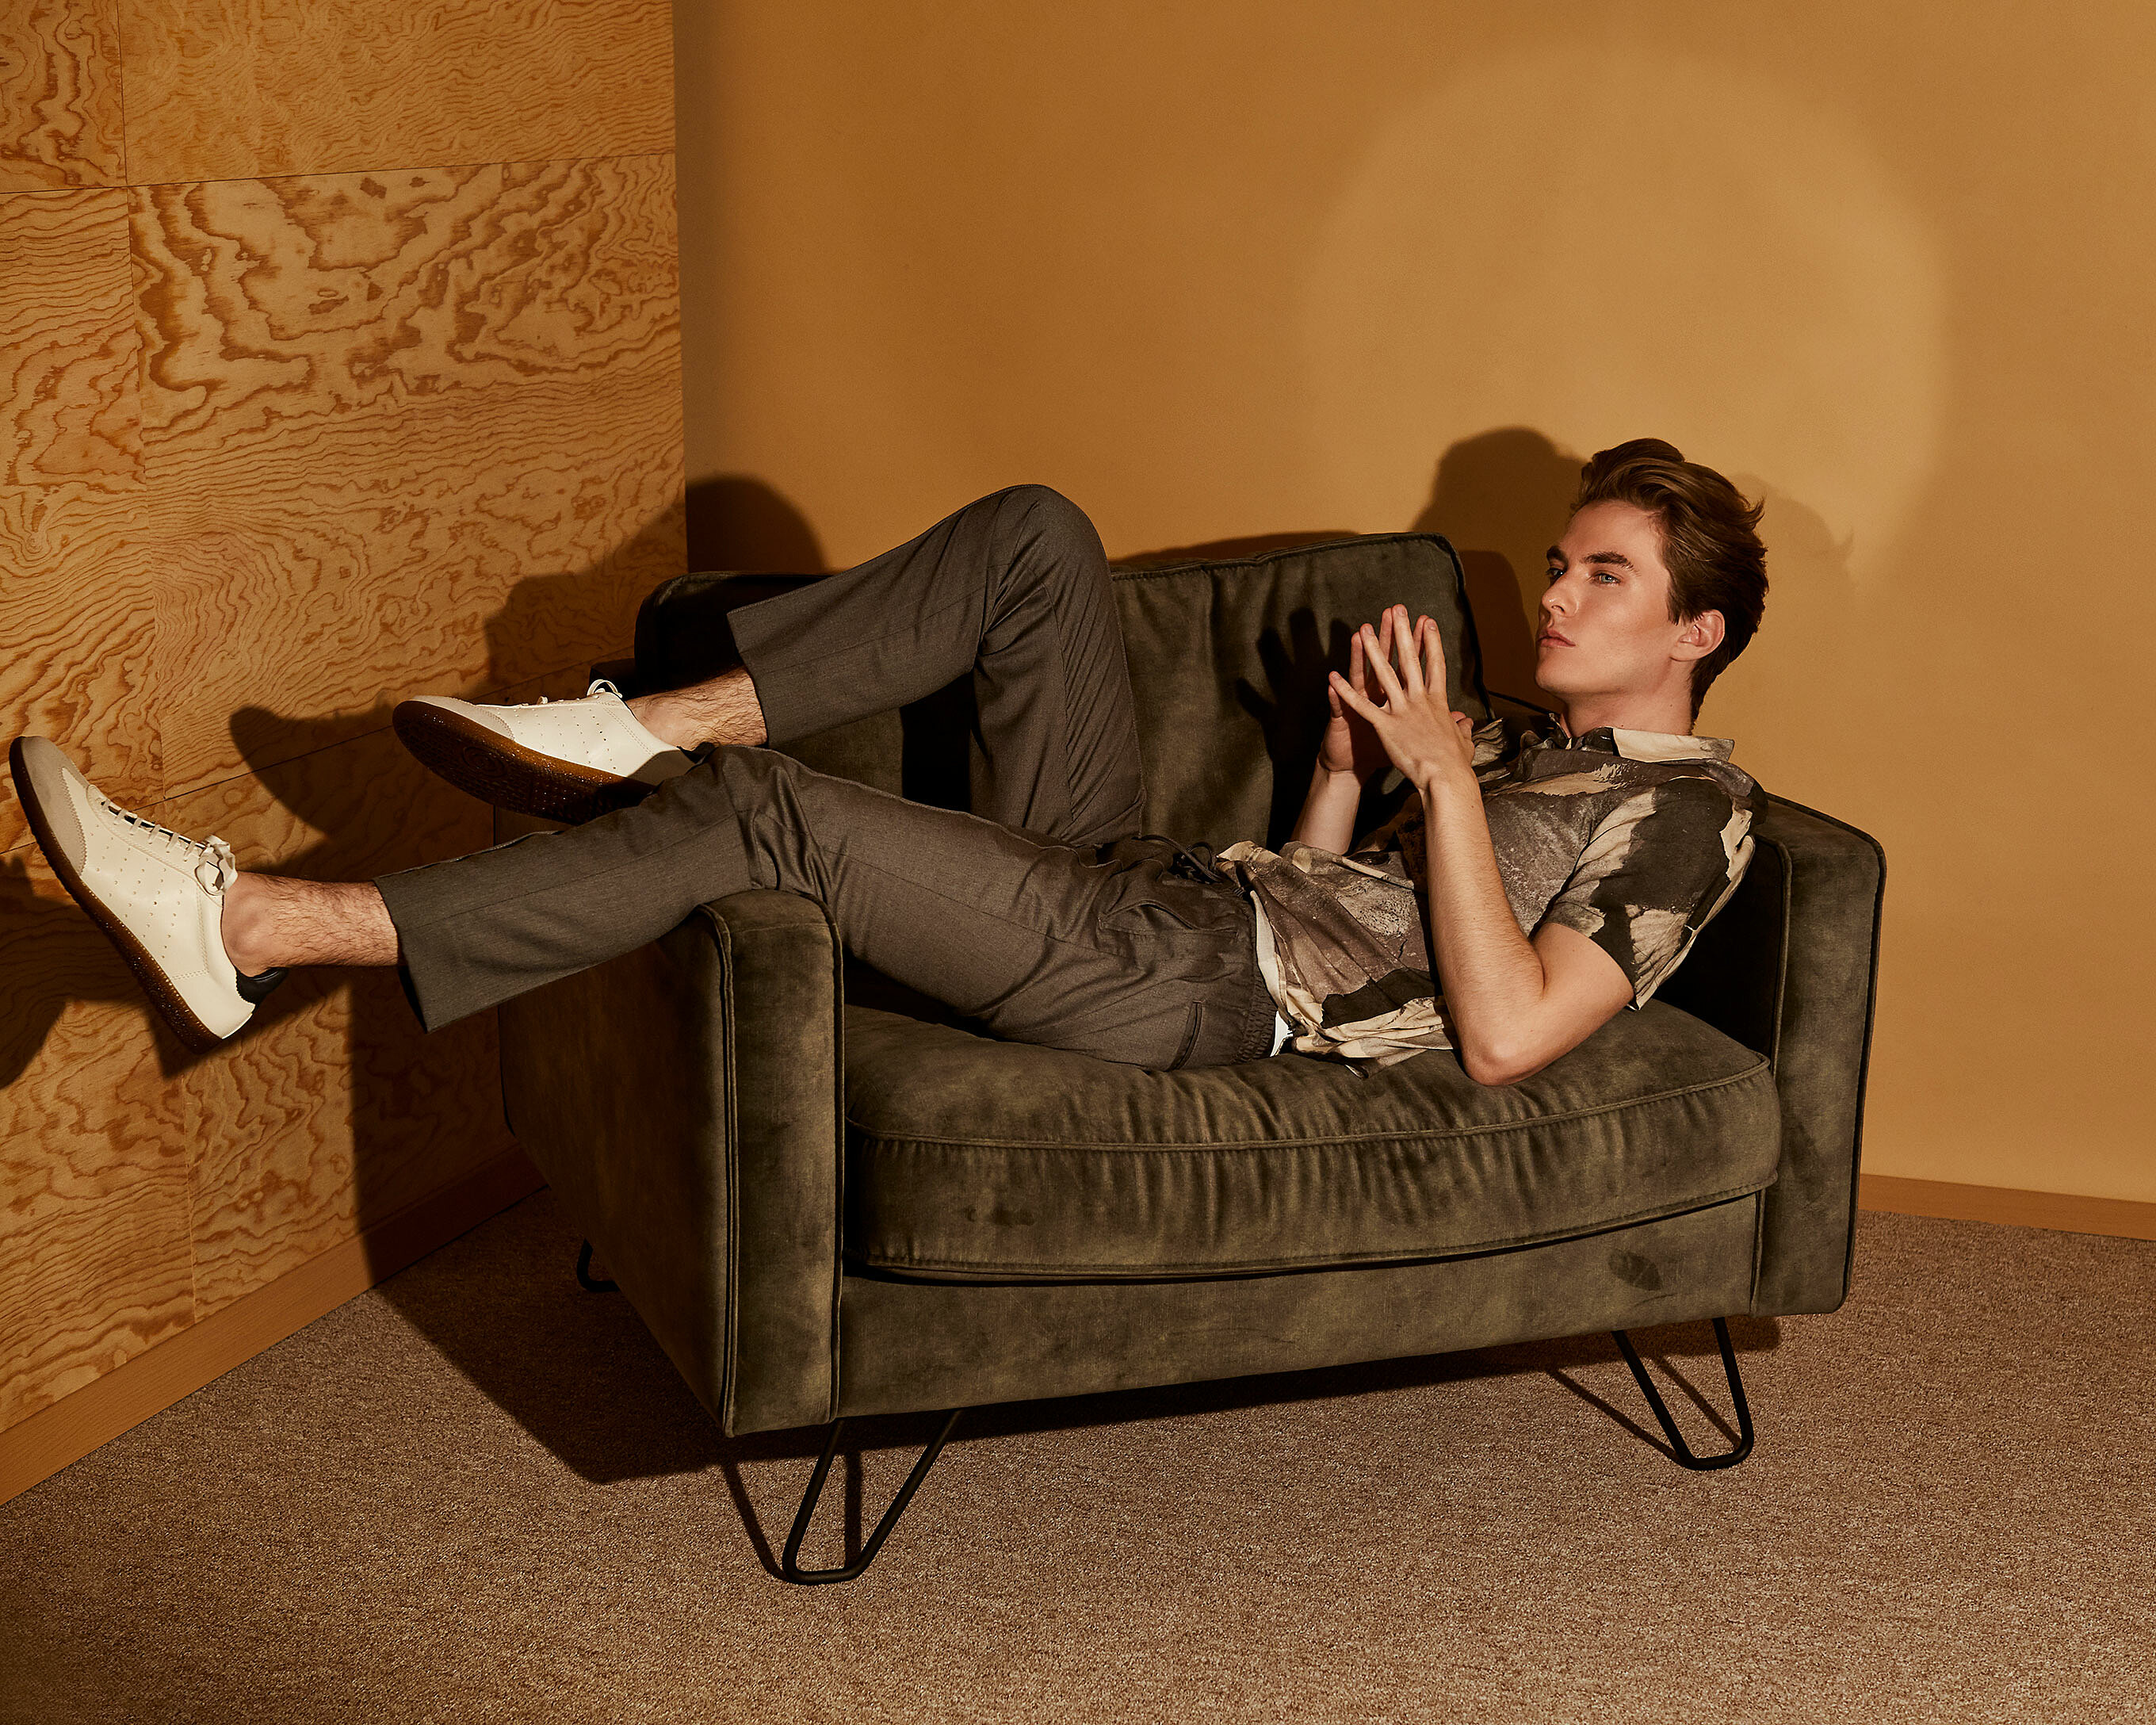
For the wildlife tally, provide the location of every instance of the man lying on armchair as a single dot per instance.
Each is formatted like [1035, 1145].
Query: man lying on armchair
[1538, 880]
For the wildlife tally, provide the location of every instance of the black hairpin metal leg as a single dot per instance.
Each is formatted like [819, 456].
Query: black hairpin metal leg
[1684, 1456]
[791, 1568]
[584, 1275]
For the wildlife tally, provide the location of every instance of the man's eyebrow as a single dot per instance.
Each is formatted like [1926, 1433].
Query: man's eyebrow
[1614, 559]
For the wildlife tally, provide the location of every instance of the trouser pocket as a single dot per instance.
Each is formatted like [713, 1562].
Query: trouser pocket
[1193, 1025]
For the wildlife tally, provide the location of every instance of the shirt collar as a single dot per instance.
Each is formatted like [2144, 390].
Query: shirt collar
[1640, 745]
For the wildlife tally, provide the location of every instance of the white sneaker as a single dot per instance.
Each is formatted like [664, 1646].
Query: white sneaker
[561, 760]
[158, 897]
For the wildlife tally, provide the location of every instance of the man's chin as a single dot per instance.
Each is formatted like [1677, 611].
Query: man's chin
[1552, 684]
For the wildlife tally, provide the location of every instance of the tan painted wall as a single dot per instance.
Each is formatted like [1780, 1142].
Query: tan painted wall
[1224, 268]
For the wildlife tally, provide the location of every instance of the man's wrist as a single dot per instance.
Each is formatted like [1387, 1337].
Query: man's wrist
[1440, 783]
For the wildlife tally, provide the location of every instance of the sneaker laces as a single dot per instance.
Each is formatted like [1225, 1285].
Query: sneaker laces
[215, 867]
[600, 685]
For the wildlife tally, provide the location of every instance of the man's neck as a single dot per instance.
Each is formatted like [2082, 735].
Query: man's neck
[1670, 714]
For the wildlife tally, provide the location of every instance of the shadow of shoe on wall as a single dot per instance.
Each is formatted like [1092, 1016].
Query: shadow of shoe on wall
[51, 954]
[1501, 497]
[424, 1112]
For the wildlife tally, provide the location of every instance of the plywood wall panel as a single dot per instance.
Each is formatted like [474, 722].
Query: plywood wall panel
[278, 303]
[80, 645]
[232, 89]
[75, 610]
[443, 548]
[340, 363]
[69, 410]
[59, 95]
[95, 1258]
[404, 433]
[333, 1110]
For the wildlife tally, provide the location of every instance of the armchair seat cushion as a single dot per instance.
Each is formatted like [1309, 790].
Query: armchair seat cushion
[970, 1159]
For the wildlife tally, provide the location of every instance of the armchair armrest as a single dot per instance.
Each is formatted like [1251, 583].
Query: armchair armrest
[1790, 968]
[684, 1099]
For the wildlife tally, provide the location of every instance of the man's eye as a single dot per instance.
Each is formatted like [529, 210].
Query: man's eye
[1555, 574]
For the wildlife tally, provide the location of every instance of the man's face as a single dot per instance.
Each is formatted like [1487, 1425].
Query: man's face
[1605, 627]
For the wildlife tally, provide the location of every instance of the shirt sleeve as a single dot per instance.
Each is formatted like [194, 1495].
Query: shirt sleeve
[1655, 872]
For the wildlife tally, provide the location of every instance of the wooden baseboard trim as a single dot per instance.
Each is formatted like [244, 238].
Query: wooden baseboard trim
[38, 1447]
[2124, 1218]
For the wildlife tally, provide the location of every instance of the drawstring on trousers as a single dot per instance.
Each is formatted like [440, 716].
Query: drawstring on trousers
[1189, 863]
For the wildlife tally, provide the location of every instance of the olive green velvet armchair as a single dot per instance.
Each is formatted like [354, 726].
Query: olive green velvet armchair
[827, 1200]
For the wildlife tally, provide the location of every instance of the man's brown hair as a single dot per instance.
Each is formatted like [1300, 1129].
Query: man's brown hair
[1709, 545]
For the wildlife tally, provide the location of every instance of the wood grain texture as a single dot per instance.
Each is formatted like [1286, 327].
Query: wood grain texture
[453, 550]
[332, 1109]
[70, 414]
[95, 1260]
[402, 438]
[77, 618]
[39, 1445]
[60, 119]
[233, 89]
[277, 303]
[74, 607]
[297, 424]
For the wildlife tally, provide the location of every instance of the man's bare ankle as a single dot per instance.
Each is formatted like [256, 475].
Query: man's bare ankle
[665, 721]
[721, 710]
[243, 924]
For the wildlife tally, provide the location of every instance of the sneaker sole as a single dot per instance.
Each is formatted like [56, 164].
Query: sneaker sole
[167, 999]
[497, 770]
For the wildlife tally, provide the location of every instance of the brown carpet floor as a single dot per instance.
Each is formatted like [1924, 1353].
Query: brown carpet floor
[477, 1493]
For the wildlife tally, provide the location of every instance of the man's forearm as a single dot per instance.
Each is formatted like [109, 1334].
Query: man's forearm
[1492, 977]
[1327, 820]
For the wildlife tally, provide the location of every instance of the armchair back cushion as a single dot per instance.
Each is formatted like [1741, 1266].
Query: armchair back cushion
[1227, 662]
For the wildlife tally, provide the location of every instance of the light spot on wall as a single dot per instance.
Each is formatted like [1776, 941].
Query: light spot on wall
[1597, 245]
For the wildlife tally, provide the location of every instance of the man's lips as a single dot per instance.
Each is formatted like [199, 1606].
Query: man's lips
[1550, 635]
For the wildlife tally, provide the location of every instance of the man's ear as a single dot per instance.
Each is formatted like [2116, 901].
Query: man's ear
[1700, 636]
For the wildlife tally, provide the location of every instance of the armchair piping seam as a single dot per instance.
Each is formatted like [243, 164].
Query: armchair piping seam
[1446, 1135]
[1403, 1255]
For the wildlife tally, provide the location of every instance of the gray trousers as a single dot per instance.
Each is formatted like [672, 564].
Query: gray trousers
[1044, 916]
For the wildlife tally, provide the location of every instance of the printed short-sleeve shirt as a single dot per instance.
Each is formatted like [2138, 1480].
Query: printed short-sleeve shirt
[1634, 838]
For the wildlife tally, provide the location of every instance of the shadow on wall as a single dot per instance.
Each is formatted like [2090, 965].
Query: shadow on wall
[423, 1111]
[52, 954]
[426, 1109]
[736, 522]
[1814, 629]
[1501, 497]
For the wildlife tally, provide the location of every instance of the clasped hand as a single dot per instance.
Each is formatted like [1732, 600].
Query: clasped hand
[1412, 725]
